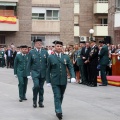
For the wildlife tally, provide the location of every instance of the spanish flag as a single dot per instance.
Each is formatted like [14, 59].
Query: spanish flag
[10, 20]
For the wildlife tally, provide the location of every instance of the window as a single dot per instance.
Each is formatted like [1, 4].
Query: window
[8, 10]
[118, 5]
[76, 1]
[102, 1]
[52, 15]
[40, 16]
[2, 39]
[104, 21]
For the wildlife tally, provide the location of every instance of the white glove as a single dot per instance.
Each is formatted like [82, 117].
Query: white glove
[48, 84]
[29, 77]
[15, 76]
[73, 80]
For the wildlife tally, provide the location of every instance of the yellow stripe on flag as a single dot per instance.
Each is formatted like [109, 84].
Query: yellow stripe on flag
[10, 20]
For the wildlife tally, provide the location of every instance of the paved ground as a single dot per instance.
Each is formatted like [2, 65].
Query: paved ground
[80, 102]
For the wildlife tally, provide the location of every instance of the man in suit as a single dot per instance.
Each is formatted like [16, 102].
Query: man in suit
[57, 75]
[20, 69]
[104, 61]
[93, 62]
[84, 55]
[9, 54]
[37, 65]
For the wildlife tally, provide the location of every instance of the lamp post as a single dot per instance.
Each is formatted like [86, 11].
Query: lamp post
[91, 31]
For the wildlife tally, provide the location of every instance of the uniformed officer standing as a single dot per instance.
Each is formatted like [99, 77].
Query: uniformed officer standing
[2, 57]
[57, 75]
[37, 65]
[20, 69]
[93, 62]
[104, 61]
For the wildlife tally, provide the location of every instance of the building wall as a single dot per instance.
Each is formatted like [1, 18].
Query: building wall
[67, 21]
[111, 12]
[86, 17]
[25, 25]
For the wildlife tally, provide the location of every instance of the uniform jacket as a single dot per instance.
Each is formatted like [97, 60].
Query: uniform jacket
[79, 58]
[1, 54]
[93, 55]
[20, 65]
[104, 59]
[57, 69]
[37, 63]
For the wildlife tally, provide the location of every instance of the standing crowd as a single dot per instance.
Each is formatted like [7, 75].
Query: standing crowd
[80, 63]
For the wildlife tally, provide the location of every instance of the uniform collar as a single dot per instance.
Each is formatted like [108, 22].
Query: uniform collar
[59, 54]
[37, 49]
[23, 54]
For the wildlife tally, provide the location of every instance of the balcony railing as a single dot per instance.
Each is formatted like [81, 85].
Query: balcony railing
[104, 1]
[45, 26]
[100, 24]
[101, 7]
[9, 27]
[101, 30]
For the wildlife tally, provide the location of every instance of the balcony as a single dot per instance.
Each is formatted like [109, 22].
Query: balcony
[46, 2]
[9, 0]
[76, 20]
[45, 26]
[101, 30]
[76, 8]
[9, 27]
[76, 31]
[101, 7]
[117, 19]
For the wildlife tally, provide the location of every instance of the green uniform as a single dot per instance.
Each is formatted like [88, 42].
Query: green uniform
[104, 61]
[57, 76]
[80, 63]
[1, 58]
[20, 69]
[37, 65]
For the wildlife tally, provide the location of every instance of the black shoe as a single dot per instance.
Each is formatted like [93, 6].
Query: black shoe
[24, 98]
[34, 105]
[93, 85]
[20, 100]
[103, 85]
[59, 115]
[41, 105]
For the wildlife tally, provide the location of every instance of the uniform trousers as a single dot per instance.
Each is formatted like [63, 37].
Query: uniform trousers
[58, 91]
[23, 81]
[93, 74]
[38, 89]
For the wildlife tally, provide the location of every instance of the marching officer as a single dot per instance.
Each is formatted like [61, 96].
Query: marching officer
[37, 65]
[2, 57]
[20, 69]
[104, 61]
[57, 75]
[93, 62]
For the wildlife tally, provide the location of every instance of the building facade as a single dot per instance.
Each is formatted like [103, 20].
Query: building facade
[65, 20]
[114, 21]
[90, 15]
[19, 33]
